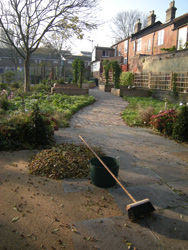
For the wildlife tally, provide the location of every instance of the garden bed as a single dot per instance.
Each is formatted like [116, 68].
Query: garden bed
[105, 88]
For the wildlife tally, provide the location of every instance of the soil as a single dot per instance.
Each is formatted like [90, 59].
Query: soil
[36, 212]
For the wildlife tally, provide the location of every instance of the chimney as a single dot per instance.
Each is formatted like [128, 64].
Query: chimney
[151, 18]
[171, 12]
[137, 26]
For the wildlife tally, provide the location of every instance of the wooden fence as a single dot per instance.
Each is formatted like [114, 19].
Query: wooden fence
[177, 81]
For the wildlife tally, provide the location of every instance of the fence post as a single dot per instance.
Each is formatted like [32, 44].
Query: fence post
[149, 80]
[171, 79]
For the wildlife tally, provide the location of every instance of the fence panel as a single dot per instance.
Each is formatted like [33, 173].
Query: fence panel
[162, 81]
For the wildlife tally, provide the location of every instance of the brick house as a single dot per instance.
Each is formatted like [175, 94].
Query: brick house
[152, 40]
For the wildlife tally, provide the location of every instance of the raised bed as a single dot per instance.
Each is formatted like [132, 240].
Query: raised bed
[105, 88]
[90, 85]
[69, 89]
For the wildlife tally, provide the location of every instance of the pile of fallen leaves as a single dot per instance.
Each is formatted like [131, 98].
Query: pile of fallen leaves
[63, 161]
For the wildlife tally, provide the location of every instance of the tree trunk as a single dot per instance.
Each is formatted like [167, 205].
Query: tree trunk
[26, 73]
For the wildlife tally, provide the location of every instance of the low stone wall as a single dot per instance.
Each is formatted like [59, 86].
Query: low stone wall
[70, 91]
[105, 88]
[169, 95]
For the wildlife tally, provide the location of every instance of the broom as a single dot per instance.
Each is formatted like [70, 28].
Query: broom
[136, 209]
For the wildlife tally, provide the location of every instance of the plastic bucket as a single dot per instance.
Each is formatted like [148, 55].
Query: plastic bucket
[100, 177]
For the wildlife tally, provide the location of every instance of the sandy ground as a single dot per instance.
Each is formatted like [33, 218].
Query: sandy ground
[36, 213]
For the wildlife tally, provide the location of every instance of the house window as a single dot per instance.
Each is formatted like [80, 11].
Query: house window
[149, 45]
[105, 53]
[20, 60]
[139, 44]
[119, 52]
[134, 46]
[55, 61]
[116, 50]
[125, 60]
[182, 38]
[126, 46]
[160, 37]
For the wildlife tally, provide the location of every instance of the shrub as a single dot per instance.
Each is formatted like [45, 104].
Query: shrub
[164, 121]
[3, 86]
[26, 130]
[180, 131]
[126, 78]
[145, 115]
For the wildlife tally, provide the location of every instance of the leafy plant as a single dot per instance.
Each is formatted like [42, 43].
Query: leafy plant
[126, 78]
[180, 130]
[145, 114]
[3, 86]
[116, 69]
[106, 65]
[164, 121]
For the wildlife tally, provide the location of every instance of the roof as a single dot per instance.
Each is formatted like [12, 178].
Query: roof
[178, 22]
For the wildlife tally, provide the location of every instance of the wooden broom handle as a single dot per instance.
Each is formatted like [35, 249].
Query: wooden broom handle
[132, 198]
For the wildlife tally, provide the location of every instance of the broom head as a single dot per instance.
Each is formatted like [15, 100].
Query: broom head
[139, 209]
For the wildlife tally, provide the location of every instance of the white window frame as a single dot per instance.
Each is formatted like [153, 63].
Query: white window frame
[125, 60]
[126, 46]
[139, 44]
[119, 52]
[182, 38]
[149, 45]
[160, 37]
[134, 46]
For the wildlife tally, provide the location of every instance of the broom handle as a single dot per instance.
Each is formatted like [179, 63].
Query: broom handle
[132, 198]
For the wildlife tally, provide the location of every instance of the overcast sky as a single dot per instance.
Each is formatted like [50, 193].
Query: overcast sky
[102, 36]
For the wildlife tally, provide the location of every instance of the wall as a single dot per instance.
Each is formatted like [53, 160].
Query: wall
[166, 62]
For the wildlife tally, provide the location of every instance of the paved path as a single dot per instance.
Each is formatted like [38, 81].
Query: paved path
[150, 167]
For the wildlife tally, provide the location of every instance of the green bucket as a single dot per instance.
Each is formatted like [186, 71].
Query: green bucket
[100, 177]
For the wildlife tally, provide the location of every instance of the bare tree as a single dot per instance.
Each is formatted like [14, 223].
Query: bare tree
[26, 22]
[123, 23]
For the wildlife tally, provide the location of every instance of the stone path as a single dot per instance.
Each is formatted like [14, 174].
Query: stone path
[151, 167]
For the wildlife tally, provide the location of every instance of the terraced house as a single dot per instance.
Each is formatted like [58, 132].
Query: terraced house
[153, 43]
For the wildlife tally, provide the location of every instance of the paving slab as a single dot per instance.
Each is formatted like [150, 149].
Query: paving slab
[113, 233]
[161, 196]
[139, 176]
[170, 226]
[180, 187]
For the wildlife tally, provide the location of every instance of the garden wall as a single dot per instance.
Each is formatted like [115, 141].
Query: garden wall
[175, 61]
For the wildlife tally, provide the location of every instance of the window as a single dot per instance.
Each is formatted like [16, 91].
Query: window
[126, 46]
[119, 52]
[160, 37]
[149, 45]
[20, 60]
[125, 60]
[139, 44]
[116, 50]
[105, 53]
[134, 46]
[182, 38]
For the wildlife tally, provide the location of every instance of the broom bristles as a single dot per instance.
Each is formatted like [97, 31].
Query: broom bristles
[139, 209]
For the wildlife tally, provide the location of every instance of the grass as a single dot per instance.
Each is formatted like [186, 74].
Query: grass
[59, 106]
[133, 114]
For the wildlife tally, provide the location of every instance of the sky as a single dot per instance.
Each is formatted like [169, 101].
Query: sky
[109, 8]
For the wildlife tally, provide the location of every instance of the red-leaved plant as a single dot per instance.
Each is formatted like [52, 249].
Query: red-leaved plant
[164, 121]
